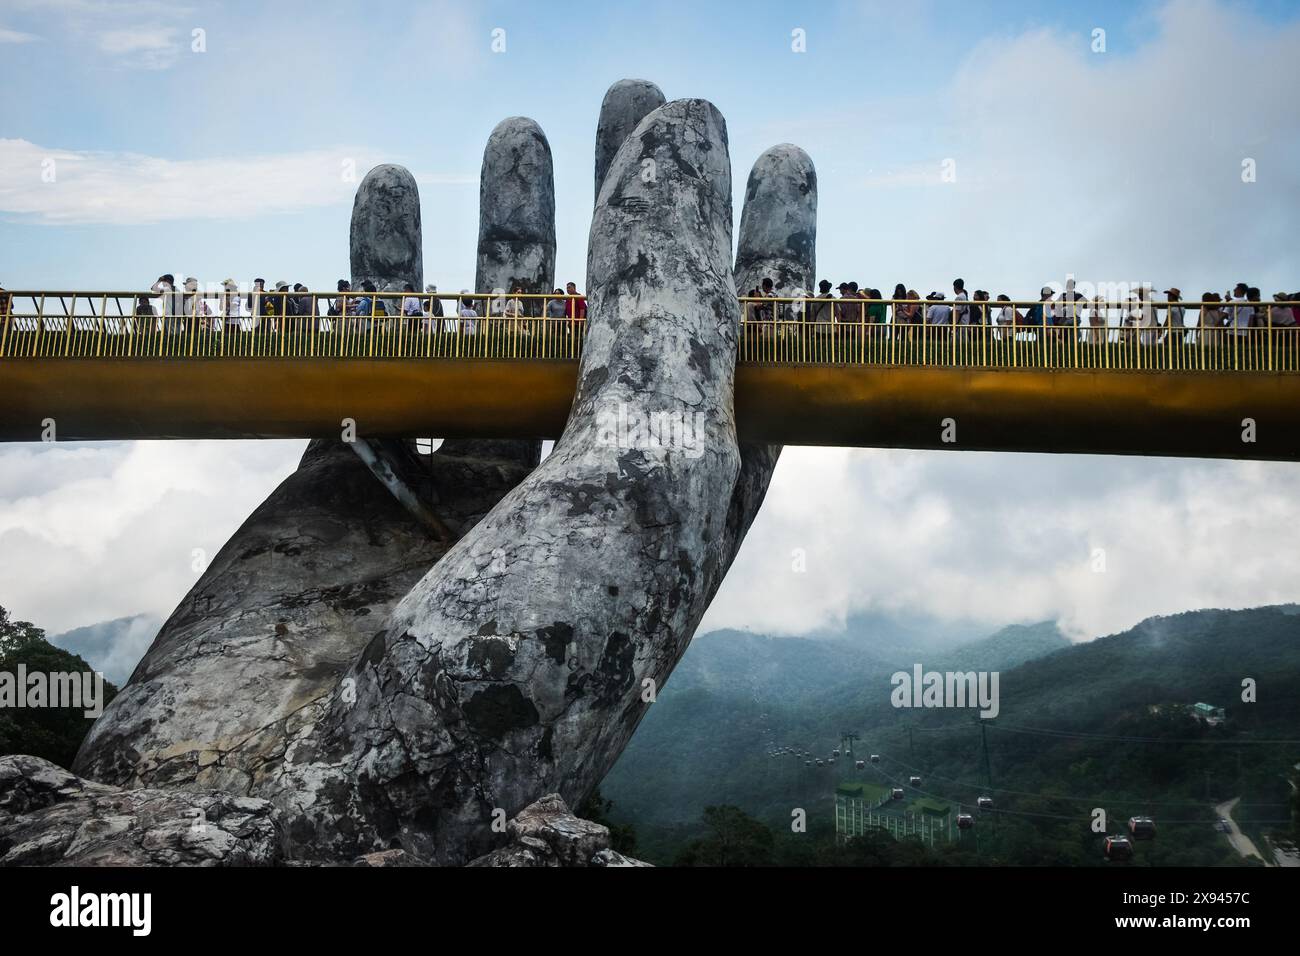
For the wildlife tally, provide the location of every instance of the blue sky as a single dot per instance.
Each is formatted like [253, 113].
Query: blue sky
[1115, 167]
[251, 134]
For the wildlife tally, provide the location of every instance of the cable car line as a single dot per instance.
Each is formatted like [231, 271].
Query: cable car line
[1128, 738]
[1096, 801]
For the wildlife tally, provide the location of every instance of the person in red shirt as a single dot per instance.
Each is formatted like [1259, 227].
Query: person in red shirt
[574, 308]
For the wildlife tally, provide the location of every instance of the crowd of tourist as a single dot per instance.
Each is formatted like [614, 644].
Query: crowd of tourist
[1238, 310]
[228, 306]
[1151, 320]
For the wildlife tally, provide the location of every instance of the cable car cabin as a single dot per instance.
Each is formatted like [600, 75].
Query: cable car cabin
[896, 793]
[875, 758]
[1142, 828]
[860, 764]
[965, 821]
[1118, 848]
[984, 803]
[914, 781]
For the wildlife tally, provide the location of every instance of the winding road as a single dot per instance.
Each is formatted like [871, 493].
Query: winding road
[1240, 842]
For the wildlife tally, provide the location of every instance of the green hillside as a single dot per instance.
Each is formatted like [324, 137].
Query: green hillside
[48, 732]
[1098, 725]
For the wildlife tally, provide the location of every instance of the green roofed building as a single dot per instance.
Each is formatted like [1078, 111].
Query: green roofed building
[1209, 713]
[864, 806]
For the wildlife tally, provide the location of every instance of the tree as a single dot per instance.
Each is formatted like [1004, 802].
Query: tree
[622, 836]
[54, 733]
[734, 839]
[16, 635]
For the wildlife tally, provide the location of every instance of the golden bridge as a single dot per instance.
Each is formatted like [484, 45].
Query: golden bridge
[131, 365]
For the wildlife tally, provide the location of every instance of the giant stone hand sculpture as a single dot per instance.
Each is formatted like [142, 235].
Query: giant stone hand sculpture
[515, 662]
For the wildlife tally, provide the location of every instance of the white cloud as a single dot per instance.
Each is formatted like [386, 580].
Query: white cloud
[98, 532]
[1005, 538]
[130, 33]
[132, 188]
[914, 174]
[16, 36]
[1119, 166]
[153, 47]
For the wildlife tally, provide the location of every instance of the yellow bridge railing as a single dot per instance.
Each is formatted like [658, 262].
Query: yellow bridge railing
[1131, 335]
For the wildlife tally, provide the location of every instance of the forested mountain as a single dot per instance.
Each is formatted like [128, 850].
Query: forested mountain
[53, 733]
[1102, 723]
[114, 647]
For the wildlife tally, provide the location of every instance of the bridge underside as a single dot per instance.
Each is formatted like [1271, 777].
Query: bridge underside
[1194, 414]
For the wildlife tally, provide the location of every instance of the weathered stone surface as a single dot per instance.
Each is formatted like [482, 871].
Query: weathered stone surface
[778, 240]
[625, 105]
[573, 841]
[524, 853]
[279, 615]
[298, 592]
[388, 697]
[386, 858]
[49, 816]
[614, 858]
[516, 226]
[29, 783]
[517, 665]
[778, 226]
[387, 246]
[546, 833]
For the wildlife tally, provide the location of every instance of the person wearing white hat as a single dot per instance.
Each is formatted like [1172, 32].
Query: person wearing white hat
[433, 304]
[194, 305]
[231, 306]
[938, 313]
[279, 305]
[164, 287]
[1146, 315]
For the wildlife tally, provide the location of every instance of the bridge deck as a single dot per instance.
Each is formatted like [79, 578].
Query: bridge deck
[1109, 390]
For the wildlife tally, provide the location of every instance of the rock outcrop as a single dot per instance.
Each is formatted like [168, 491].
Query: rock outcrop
[49, 816]
[546, 833]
